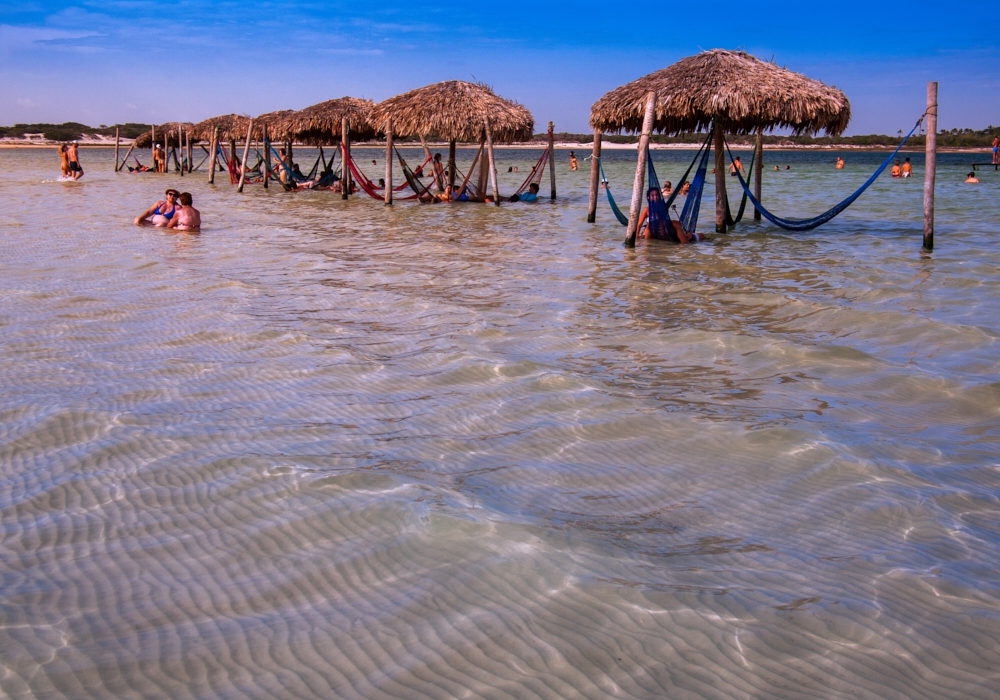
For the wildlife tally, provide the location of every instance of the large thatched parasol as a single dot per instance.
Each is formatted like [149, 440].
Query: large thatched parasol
[457, 111]
[321, 123]
[738, 92]
[145, 140]
[276, 123]
[746, 93]
[232, 127]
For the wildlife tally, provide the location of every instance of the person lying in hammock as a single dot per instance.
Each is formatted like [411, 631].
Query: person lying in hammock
[532, 194]
[662, 227]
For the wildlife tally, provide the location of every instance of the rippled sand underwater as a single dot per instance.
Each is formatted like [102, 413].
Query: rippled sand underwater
[329, 450]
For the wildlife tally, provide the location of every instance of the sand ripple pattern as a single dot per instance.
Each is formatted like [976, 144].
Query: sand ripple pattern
[326, 450]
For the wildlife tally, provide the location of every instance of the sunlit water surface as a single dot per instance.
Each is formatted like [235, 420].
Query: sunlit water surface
[328, 449]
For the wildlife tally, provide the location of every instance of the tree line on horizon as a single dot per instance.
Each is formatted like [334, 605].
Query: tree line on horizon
[954, 138]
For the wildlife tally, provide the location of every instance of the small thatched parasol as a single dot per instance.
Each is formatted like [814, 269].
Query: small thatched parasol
[747, 93]
[455, 111]
[321, 123]
[232, 127]
[145, 140]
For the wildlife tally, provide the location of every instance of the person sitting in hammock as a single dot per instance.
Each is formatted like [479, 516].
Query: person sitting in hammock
[532, 194]
[662, 227]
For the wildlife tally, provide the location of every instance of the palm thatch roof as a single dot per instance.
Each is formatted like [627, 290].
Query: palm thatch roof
[745, 92]
[145, 140]
[276, 125]
[321, 123]
[454, 110]
[232, 127]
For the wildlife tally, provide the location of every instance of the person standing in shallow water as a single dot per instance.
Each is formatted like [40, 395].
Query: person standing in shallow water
[73, 154]
[64, 161]
[574, 164]
[840, 163]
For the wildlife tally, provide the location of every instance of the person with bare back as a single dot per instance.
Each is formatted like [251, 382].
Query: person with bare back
[187, 218]
[73, 154]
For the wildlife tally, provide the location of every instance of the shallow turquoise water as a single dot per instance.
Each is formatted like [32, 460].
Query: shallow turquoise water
[326, 449]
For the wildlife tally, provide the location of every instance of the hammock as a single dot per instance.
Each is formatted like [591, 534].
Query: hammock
[372, 190]
[622, 219]
[730, 221]
[535, 176]
[659, 222]
[810, 224]
[411, 178]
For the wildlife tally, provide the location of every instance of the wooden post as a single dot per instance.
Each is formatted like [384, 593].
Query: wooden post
[451, 164]
[152, 140]
[492, 162]
[173, 152]
[288, 150]
[190, 152]
[166, 151]
[930, 171]
[246, 154]
[117, 143]
[345, 179]
[267, 156]
[552, 160]
[640, 170]
[388, 163]
[720, 178]
[212, 156]
[595, 177]
[483, 173]
[758, 170]
[127, 154]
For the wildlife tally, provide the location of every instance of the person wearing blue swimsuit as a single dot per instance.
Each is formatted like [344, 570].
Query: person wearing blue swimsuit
[160, 213]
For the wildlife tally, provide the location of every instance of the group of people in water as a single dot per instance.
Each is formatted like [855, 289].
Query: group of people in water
[175, 211]
[69, 161]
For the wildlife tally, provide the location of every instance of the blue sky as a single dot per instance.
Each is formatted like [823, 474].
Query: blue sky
[143, 61]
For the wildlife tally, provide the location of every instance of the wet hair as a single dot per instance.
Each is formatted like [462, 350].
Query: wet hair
[282, 151]
[381, 182]
[510, 169]
[437, 156]
[186, 199]
[907, 160]
[972, 174]
[533, 187]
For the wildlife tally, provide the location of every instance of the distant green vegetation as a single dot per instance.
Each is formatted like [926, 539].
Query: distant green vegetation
[71, 130]
[956, 138]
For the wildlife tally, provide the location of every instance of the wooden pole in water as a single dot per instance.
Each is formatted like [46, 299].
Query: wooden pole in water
[211, 158]
[190, 151]
[931, 164]
[267, 156]
[177, 161]
[720, 178]
[388, 163]
[492, 163]
[246, 154]
[451, 164]
[595, 177]
[166, 151]
[127, 154]
[483, 165]
[288, 150]
[758, 170]
[117, 143]
[640, 169]
[345, 180]
[552, 160]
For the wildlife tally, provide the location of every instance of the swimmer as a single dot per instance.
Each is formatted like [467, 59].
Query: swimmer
[64, 161]
[573, 163]
[74, 161]
[840, 163]
[896, 170]
[972, 179]
[685, 188]
[667, 189]
[676, 235]
[161, 212]
[777, 168]
[788, 167]
[187, 218]
[532, 194]
[907, 168]
[996, 150]
[736, 167]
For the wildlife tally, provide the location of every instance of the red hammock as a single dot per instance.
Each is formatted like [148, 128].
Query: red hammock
[370, 188]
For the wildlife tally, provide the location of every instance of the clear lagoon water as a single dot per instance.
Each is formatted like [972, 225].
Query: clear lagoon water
[327, 449]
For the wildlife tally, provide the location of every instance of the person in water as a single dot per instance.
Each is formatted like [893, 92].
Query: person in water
[840, 163]
[907, 168]
[996, 150]
[777, 168]
[972, 179]
[667, 189]
[160, 213]
[685, 188]
[64, 161]
[736, 166]
[573, 163]
[438, 169]
[159, 160]
[73, 153]
[532, 194]
[187, 218]
[896, 170]
[666, 229]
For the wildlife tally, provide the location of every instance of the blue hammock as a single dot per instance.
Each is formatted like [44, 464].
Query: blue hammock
[622, 219]
[810, 224]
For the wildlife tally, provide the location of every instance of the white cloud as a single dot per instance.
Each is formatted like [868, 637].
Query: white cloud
[25, 102]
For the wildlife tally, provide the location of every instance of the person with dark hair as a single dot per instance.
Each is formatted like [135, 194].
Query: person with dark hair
[896, 170]
[187, 218]
[737, 167]
[437, 167]
[972, 179]
[160, 213]
[73, 154]
[159, 159]
[64, 161]
[574, 164]
[532, 194]
[907, 168]
[663, 228]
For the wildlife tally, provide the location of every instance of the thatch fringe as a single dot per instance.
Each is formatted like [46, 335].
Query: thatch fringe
[745, 92]
[454, 110]
[321, 123]
[232, 127]
[145, 140]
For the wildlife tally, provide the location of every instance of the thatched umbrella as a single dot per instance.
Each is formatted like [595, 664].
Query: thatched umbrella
[457, 111]
[145, 140]
[231, 127]
[323, 123]
[275, 123]
[739, 92]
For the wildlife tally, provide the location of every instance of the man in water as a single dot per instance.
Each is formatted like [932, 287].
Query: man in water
[840, 163]
[972, 179]
[907, 168]
[161, 212]
[74, 161]
[187, 218]
[573, 163]
[996, 150]
[159, 162]
[736, 166]
[532, 194]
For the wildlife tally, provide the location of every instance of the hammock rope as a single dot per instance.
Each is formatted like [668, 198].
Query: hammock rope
[810, 224]
[535, 176]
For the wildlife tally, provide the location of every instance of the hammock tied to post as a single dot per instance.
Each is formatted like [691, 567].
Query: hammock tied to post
[659, 222]
[810, 224]
[535, 176]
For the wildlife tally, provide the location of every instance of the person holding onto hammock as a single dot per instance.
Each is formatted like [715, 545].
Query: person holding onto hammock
[531, 195]
[660, 226]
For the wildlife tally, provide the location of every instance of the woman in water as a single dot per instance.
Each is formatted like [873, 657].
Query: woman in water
[664, 228]
[160, 213]
[64, 161]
